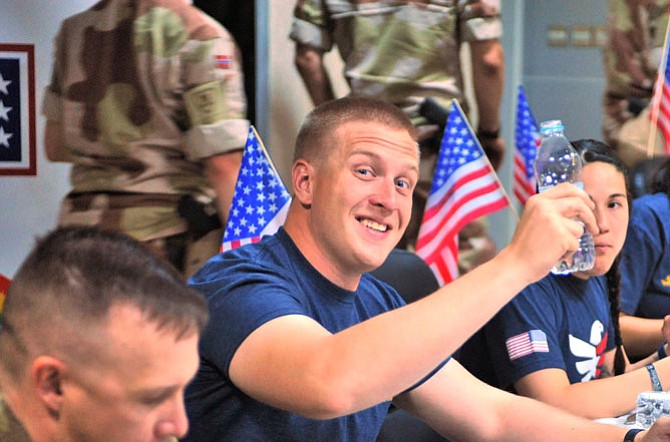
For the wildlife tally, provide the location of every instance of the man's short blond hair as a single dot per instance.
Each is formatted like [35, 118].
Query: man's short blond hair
[317, 133]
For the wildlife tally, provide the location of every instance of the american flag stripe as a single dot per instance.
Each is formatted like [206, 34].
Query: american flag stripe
[449, 217]
[445, 263]
[464, 188]
[4, 287]
[663, 121]
[441, 253]
[229, 245]
[469, 180]
[527, 139]
[660, 103]
[523, 189]
[534, 341]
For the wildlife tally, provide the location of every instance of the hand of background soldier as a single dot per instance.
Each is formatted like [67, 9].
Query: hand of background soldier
[494, 147]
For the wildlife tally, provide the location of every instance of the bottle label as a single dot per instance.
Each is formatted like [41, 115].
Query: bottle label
[579, 184]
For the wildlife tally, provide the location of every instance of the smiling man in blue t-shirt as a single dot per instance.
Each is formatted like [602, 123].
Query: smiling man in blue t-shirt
[304, 345]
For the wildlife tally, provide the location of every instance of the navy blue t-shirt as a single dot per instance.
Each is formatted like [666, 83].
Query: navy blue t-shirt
[645, 260]
[245, 288]
[558, 322]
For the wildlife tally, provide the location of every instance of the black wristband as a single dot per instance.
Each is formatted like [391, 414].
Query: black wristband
[630, 434]
[490, 134]
[662, 354]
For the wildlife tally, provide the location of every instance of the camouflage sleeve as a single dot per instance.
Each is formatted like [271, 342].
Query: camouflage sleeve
[215, 99]
[311, 25]
[480, 20]
[52, 93]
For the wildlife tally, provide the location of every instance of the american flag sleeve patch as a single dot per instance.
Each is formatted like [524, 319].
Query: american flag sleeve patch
[533, 341]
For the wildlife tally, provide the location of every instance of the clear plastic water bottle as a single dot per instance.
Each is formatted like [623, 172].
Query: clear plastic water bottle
[558, 162]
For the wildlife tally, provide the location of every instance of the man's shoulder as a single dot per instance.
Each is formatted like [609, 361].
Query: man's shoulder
[270, 254]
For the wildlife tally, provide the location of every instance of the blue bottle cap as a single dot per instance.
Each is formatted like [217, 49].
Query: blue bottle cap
[551, 126]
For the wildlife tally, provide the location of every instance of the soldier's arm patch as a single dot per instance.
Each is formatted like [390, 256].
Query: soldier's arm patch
[223, 61]
[205, 103]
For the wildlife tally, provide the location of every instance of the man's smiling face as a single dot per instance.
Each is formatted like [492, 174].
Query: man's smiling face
[362, 197]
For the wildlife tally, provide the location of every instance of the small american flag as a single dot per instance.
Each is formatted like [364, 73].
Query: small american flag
[527, 139]
[10, 110]
[534, 341]
[660, 101]
[464, 188]
[260, 200]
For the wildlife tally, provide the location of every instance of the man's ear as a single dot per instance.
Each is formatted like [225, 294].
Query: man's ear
[47, 378]
[302, 178]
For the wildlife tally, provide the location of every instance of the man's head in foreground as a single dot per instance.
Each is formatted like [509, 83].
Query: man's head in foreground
[99, 339]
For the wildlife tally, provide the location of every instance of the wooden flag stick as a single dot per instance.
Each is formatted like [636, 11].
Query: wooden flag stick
[267, 155]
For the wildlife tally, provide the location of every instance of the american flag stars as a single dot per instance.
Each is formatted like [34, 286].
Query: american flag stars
[4, 112]
[4, 138]
[260, 198]
[3, 85]
[461, 150]
[17, 110]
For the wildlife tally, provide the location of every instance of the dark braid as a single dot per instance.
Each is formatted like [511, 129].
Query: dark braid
[593, 151]
[613, 276]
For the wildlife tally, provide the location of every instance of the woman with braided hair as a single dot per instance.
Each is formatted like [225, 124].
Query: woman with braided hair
[559, 341]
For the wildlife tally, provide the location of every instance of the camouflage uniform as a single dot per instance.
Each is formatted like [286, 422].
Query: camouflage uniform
[402, 52]
[636, 32]
[144, 90]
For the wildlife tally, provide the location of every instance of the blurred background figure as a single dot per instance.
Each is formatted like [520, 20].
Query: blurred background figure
[409, 54]
[239, 19]
[636, 31]
[146, 101]
[645, 271]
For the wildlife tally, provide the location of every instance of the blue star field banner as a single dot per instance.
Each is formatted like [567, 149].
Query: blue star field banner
[17, 110]
[10, 110]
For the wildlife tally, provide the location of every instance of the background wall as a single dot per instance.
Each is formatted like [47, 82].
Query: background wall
[561, 82]
[564, 82]
[29, 205]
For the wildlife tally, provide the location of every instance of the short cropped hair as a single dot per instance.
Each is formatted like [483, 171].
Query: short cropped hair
[315, 136]
[70, 281]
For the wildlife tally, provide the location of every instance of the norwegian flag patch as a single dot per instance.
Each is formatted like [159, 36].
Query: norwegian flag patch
[223, 61]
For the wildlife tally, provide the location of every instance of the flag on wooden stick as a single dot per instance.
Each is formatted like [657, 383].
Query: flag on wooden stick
[464, 188]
